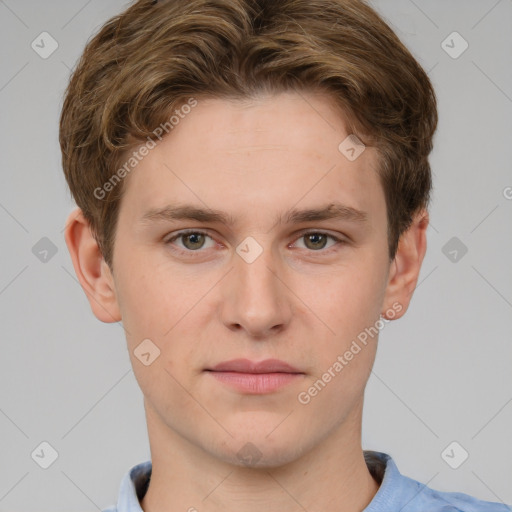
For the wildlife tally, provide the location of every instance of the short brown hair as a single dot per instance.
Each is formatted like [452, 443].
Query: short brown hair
[155, 56]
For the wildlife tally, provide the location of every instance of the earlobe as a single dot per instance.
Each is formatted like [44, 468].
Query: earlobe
[91, 270]
[405, 268]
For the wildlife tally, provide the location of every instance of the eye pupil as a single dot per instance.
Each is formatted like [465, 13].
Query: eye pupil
[194, 237]
[314, 238]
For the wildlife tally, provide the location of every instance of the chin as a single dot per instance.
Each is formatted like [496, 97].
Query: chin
[261, 451]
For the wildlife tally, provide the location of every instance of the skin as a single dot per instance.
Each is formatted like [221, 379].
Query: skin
[299, 301]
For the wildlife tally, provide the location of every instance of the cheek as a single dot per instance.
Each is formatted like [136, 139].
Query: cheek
[154, 309]
[348, 297]
[166, 306]
[145, 298]
[344, 358]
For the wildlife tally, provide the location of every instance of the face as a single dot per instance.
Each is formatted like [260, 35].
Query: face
[257, 282]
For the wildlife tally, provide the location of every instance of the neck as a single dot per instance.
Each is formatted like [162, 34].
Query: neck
[331, 476]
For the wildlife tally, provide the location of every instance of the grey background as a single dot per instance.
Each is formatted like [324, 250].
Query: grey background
[442, 372]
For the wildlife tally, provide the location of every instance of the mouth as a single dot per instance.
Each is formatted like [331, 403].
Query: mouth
[255, 378]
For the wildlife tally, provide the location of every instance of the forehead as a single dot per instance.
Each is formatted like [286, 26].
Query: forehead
[279, 121]
[257, 153]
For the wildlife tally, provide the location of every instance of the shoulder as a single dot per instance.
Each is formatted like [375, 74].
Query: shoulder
[132, 489]
[442, 501]
[399, 492]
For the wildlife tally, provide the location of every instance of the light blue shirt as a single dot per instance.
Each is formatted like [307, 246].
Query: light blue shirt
[397, 493]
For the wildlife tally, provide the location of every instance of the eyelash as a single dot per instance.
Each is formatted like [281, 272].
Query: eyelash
[301, 235]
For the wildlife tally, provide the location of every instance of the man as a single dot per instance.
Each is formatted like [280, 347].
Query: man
[252, 180]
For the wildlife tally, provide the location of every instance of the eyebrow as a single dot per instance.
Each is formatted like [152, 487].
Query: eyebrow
[292, 216]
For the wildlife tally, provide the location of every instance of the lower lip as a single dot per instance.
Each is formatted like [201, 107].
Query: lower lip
[256, 383]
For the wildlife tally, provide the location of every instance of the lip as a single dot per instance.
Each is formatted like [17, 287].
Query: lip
[255, 378]
[247, 366]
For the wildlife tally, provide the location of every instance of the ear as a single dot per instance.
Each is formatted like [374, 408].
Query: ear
[91, 270]
[405, 267]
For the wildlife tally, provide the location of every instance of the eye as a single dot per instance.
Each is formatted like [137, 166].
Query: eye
[192, 240]
[317, 240]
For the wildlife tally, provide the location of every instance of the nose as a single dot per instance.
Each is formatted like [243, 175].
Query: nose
[255, 296]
